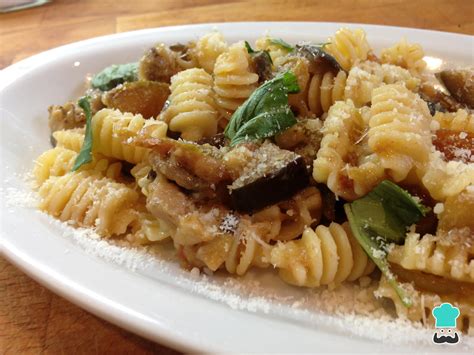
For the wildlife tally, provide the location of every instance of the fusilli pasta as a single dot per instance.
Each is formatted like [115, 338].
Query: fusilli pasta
[450, 256]
[348, 47]
[70, 138]
[324, 256]
[459, 121]
[234, 79]
[344, 162]
[111, 129]
[208, 48]
[192, 110]
[400, 130]
[405, 55]
[89, 200]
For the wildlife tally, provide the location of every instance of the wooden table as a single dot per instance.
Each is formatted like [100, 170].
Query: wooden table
[32, 319]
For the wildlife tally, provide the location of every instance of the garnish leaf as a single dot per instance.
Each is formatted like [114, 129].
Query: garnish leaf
[250, 50]
[253, 53]
[266, 112]
[282, 43]
[114, 75]
[380, 218]
[85, 155]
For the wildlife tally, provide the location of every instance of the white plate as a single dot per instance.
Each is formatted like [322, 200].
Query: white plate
[152, 298]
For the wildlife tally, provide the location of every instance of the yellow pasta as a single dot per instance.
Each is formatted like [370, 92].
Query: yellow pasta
[400, 130]
[112, 129]
[449, 256]
[234, 78]
[367, 76]
[444, 179]
[405, 55]
[324, 256]
[457, 211]
[54, 162]
[288, 219]
[147, 229]
[348, 47]
[192, 110]
[276, 52]
[459, 121]
[88, 199]
[344, 161]
[70, 138]
[236, 253]
[208, 48]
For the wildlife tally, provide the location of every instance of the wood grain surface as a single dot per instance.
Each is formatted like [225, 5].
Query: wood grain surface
[34, 320]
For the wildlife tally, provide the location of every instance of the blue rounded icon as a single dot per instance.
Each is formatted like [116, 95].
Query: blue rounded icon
[445, 315]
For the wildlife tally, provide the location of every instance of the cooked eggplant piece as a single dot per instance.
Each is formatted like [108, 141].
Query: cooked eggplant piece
[272, 175]
[320, 61]
[192, 166]
[262, 63]
[219, 140]
[303, 138]
[70, 115]
[460, 84]
[144, 97]
[158, 64]
[438, 99]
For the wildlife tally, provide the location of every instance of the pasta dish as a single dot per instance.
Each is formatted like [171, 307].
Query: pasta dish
[326, 162]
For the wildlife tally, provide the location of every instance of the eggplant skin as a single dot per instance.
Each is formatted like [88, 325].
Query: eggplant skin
[271, 189]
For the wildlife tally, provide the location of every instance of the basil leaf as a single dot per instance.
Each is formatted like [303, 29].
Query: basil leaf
[282, 43]
[85, 155]
[250, 50]
[380, 218]
[271, 98]
[265, 125]
[114, 75]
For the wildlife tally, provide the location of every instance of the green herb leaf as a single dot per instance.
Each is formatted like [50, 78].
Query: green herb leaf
[282, 43]
[250, 50]
[85, 155]
[266, 112]
[253, 53]
[381, 218]
[115, 74]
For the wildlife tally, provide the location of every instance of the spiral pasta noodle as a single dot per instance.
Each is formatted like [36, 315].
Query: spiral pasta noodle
[89, 200]
[423, 304]
[324, 256]
[400, 130]
[459, 121]
[406, 55]
[236, 253]
[234, 79]
[277, 53]
[54, 162]
[457, 212]
[208, 48]
[444, 179]
[59, 161]
[111, 129]
[348, 47]
[288, 219]
[70, 138]
[446, 256]
[367, 76]
[344, 161]
[192, 108]
[147, 229]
